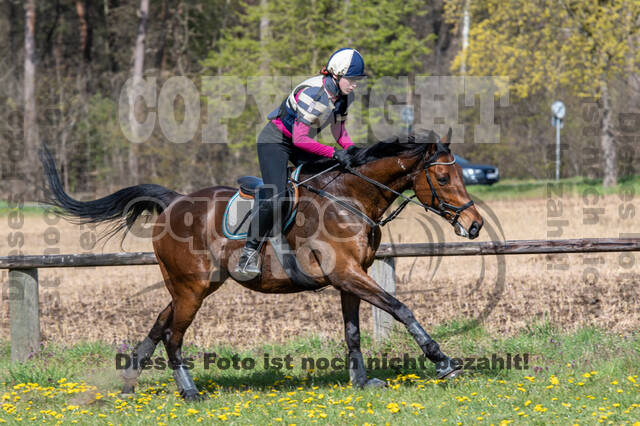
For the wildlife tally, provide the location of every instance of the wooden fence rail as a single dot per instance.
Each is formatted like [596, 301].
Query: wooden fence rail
[23, 274]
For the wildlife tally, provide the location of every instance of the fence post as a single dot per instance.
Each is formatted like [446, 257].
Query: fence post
[383, 272]
[24, 313]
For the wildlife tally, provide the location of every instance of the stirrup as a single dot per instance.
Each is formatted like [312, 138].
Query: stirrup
[248, 266]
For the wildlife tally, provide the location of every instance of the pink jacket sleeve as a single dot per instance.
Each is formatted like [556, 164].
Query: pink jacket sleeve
[339, 132]
[302, 140]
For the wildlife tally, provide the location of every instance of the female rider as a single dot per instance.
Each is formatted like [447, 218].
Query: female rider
[312, 105]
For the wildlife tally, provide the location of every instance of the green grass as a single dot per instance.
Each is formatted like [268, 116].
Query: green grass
[27, 209]
[584, 377]
[523, 189]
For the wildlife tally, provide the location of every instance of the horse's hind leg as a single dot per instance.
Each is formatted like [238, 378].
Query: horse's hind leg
[351, 316]
[185, 307]
[143, 351]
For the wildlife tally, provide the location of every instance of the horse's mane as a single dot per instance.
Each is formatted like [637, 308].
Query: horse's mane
[406, 146]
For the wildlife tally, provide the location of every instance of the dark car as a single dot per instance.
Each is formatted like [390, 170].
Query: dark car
[477, 174]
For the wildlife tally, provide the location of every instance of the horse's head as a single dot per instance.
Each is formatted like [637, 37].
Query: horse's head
[439, 185]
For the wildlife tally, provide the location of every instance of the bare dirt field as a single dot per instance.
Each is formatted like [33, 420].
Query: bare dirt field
[116, 304]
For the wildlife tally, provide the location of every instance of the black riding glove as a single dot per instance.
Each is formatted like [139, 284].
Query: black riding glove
[343, 156]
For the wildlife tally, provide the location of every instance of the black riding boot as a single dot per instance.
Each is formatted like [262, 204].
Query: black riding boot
[263, 212]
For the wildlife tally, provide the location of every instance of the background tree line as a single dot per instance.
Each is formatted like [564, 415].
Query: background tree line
[64, 63]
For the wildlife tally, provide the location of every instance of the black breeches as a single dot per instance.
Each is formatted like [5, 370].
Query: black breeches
[275, 151]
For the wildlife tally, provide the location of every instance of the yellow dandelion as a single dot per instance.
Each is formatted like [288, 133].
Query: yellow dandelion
[393, 407]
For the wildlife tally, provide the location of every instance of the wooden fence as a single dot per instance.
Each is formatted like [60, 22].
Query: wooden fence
[24, 296]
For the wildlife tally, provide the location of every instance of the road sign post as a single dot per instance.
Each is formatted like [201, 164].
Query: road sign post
[407, 117]
[558, 111]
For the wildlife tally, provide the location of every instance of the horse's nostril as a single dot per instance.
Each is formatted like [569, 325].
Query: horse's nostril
[474, 229]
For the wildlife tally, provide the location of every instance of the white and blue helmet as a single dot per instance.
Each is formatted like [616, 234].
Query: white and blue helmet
[346, 62]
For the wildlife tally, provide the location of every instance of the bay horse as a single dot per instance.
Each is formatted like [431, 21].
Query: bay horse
[195, 257]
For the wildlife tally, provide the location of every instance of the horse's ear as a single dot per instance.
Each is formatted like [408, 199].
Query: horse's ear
[447, 139]
[431, 137]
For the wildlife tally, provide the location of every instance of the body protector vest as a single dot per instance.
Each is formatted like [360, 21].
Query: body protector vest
[313, 105]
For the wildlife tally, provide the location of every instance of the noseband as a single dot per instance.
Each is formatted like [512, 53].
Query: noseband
[445, 210]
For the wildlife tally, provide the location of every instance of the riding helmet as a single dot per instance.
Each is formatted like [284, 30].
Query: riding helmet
[345, 62]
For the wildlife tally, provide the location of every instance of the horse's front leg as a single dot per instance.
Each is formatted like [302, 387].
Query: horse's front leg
[351, 315]
[357, 283]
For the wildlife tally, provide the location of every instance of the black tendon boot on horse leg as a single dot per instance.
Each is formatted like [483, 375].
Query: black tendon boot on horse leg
[261, 224]
[351, 316]
[184, 312]
[143, 352]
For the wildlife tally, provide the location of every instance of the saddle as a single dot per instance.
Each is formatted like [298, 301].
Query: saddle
[236, 220]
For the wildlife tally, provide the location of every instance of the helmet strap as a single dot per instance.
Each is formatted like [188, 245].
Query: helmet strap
[337, 80]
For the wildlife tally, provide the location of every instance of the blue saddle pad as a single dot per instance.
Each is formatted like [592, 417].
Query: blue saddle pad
[236, 220]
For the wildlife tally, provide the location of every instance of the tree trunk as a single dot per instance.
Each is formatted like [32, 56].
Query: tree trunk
[110, 43]
[442, 43]
[264, 36]
[138, 68]
[12, 13]
[84, 69]
[161, 54]
[466, 19]
[138, 64]
[62, 126]
[314, 43]
[607, 139]
[30, 113]
[84, 29]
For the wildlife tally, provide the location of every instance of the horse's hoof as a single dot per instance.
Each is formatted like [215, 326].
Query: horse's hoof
[375, 383]
[127, 390]
[193, 396]
[450, 370]
[451, 374]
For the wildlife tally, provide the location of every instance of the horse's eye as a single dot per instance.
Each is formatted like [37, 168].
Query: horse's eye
[443, 180]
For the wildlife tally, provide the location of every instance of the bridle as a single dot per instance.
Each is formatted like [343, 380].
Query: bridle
[444, 210]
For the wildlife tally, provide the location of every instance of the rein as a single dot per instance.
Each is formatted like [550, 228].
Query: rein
[444, 210]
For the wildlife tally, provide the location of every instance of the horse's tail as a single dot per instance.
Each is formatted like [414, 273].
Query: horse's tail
[121, 208]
